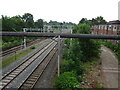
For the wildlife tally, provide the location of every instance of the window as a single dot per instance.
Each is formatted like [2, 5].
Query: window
[109, 26]
[105, 27]
[119, 28]
[101, 27]
[114, 28]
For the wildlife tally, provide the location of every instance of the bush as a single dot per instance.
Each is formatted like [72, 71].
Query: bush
[80, 78]
[75, 54]
[70, 65]
[65, 54]
[67, 80]
[67, 65]
[80, 69]
[113, 47]
[32, 47]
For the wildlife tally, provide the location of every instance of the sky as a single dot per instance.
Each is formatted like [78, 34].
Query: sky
[61, 10]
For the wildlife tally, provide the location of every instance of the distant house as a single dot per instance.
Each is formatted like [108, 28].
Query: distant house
[111, 28]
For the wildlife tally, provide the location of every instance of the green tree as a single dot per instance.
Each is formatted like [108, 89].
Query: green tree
[19, 24]
[89, 48]
[94, 21]
[83, 20]
[99, 20]
[6, 23]
[14, 23]
[39, 23]
[28, 19]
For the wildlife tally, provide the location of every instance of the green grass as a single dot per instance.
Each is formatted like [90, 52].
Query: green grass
[0, 43]
[114, 47]
[56, 32]
[14, 58]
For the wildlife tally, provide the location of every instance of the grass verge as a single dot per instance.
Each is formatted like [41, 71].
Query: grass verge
[14, 58]
[19, 55]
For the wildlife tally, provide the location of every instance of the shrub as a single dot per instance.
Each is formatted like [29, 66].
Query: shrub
[67, 65]
[80, 69]
[67, 80]
[115, 48]
[70, 65]
[80, 78]
[32, 47]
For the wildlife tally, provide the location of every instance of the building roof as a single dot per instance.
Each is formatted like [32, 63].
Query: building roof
[114, 22]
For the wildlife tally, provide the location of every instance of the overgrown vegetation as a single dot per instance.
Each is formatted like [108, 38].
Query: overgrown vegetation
[18, 55]
[76, 53]
[15, 57]
[16, 24]
[8, 42]
[114, 47]
[67, 80]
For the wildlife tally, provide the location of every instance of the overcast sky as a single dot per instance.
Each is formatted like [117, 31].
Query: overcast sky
[61, 10]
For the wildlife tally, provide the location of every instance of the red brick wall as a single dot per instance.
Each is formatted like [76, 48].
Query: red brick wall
[111, 30]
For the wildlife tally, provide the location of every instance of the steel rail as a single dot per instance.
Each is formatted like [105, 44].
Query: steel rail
[32, 79]
[36, 74]
[27, 58]
[16, 48]
[62, 35]
[23, 68]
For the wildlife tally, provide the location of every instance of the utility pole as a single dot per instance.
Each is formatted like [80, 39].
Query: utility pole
[71, 38]
[58, 55]
[24, 30]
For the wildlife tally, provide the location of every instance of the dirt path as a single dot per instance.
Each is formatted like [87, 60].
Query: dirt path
[109, 68]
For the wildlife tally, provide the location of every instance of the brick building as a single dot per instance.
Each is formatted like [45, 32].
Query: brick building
[111, 28]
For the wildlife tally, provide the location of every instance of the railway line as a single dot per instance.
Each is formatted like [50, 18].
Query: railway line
[17, 48]
[30, 66]
[34, 77]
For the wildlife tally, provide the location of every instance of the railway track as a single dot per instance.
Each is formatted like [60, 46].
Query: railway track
[32, 79]
[11, 76]
[17, 48]
[35, 75]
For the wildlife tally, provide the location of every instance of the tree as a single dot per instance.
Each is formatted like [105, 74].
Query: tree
[5, 23]
[94, 21]
[28, 19]
[19, 24]
[99, 20]
[39, 23]
[83, 20]
[89, 48]
[14, 23]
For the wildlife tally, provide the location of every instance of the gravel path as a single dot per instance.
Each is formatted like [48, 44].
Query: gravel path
[109, 68]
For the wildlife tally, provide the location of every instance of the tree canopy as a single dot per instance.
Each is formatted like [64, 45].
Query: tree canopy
[94, 21]
[17, 23]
